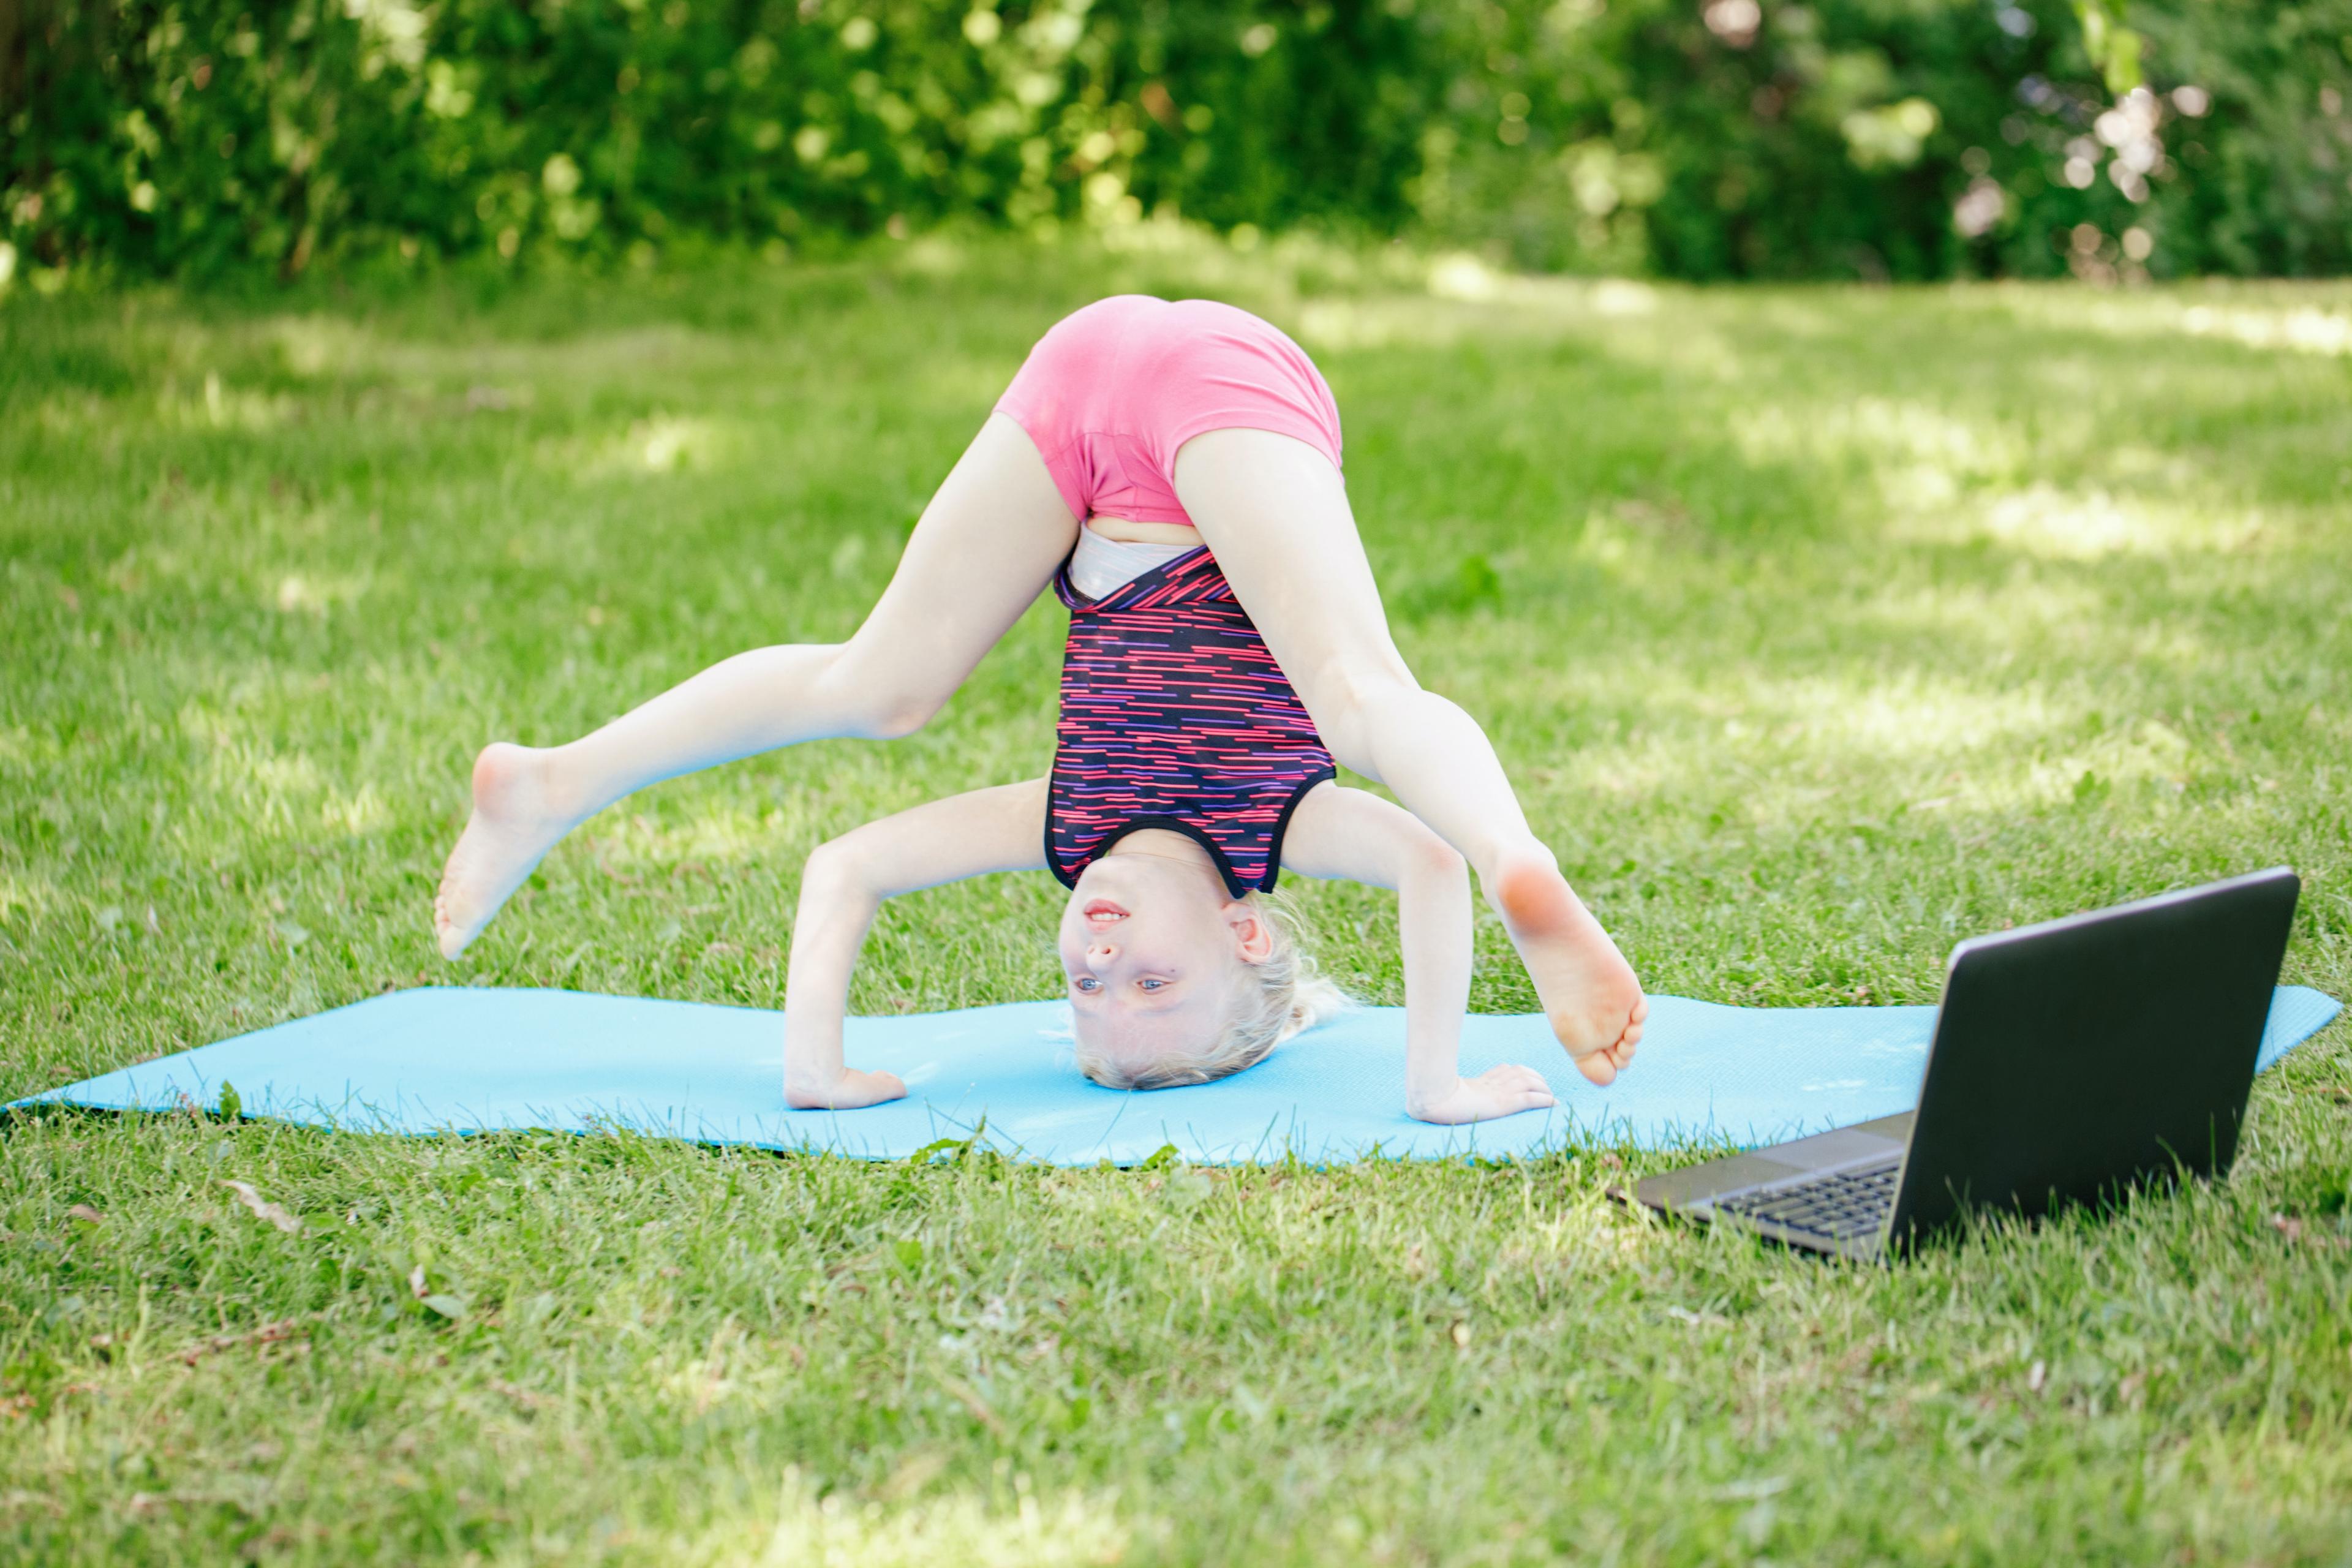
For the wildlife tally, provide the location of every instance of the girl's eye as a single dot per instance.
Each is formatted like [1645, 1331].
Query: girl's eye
[1087, 984]
[1151, 985]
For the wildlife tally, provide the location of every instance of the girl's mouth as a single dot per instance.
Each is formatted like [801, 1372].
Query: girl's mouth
[1101, 912]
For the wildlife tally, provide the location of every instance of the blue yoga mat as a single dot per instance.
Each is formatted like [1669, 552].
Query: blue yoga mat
[469, 1061]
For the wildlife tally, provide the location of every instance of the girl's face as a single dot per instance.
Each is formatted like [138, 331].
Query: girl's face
[1152, 948]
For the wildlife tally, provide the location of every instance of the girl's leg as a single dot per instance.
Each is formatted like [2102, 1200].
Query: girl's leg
[987, 544]
[1276, 512]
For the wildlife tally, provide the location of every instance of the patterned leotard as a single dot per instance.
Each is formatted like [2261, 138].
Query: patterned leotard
[1175, 715]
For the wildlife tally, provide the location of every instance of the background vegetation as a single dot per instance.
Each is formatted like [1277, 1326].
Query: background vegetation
[1694, 139]
[1820, 627]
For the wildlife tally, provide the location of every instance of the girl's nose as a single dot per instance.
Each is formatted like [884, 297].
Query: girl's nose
[1100, 951]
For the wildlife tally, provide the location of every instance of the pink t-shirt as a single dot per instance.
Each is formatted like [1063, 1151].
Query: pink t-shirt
[1114, 390]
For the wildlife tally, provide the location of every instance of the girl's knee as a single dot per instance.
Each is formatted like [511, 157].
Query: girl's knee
[1346, 706]
[896, 722]
[874, 703]
[893, 714]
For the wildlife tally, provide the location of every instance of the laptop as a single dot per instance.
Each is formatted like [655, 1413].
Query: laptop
[2072, 1062]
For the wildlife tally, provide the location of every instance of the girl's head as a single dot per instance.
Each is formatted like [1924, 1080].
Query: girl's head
[1173, 981]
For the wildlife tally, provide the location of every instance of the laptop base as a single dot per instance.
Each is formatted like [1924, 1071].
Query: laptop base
[1739, 1188]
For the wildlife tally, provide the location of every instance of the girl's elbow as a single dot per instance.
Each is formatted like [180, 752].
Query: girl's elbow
[1434, 859]
[834, 867]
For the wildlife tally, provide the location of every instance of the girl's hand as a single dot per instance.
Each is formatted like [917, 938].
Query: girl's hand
[852, 1090]
[1497, 1091]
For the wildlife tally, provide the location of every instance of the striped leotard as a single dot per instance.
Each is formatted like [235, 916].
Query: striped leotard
[1174, 715]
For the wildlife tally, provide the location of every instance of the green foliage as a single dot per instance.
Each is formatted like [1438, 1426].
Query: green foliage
[1897, 138]
[1733, 138]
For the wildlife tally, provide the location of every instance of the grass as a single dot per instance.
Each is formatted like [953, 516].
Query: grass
[1820, 627]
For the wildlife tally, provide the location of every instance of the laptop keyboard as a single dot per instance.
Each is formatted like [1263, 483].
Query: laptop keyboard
[1837, 1205]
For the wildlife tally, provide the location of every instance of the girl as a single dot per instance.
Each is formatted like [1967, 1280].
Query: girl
[1153, 429]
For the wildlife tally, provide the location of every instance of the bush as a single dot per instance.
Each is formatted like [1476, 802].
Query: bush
[1692, 138]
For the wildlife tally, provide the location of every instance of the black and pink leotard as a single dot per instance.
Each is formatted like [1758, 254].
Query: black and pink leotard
[1175, 715]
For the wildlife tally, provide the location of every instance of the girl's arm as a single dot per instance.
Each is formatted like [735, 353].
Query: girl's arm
[1339, 832]
[1000, 829]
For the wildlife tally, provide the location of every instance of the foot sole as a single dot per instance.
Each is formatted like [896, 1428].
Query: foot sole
[1590, 995]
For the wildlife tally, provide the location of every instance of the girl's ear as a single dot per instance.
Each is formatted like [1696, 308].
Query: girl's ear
[1252, 937]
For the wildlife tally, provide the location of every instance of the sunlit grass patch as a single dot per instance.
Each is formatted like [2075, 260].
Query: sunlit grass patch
[2307, 319]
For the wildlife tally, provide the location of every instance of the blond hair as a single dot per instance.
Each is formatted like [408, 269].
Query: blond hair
[1286, 993]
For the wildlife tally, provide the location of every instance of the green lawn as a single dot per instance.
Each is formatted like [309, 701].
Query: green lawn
[1822, 627]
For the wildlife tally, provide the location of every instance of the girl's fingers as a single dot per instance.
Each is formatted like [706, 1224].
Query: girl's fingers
[1518, 1089]
[1524, 1088]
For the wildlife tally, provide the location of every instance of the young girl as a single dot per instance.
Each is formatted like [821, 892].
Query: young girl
[1192, 762]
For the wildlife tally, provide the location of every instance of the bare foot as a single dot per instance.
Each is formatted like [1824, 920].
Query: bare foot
[512, 827]
[1590, 993]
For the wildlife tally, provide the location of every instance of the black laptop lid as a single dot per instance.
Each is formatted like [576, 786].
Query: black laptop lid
[2091, 1053]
